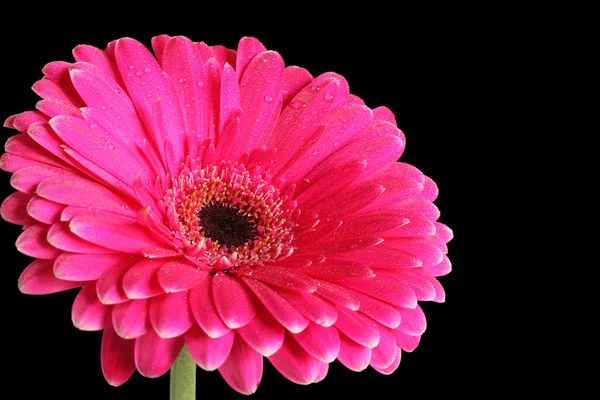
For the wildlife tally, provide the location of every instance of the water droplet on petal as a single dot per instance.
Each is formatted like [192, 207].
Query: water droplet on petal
[297, 105]
[110, 106]
[147, 70]
[336, 144]
[118, 91]
[103, 139]
[181, 80]
[268, 99]
[111, 146]
[149, 94]
[200, 83]
[131, 66]
[139, 73]
[343, 119]
[103, 107]
[328, 96]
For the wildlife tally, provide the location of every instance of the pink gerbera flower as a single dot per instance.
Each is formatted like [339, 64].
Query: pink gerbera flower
[219, 200]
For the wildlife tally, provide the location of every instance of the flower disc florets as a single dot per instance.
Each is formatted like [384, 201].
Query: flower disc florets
[224, 215]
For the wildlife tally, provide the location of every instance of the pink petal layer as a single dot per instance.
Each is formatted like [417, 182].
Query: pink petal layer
[352, 355]
[320, 342]
[243, 368]
[175, 276]
[155, 356]
[294, 363]
[204, 310]
[233, 301]
[87, 267]
[38, 278]
[88, 314]
[27, 179]
[43, 210]
[61, 237]
[208, 353]
[313, 307]
[358, 328]
[130, 319]
[116, 357]
[264, 334]
[33, 243]
[14, 209]
[393, 366]
[170, 314]
[413, 321]
[281, 309]
[120, 234]
[384, 354]
[141, 282]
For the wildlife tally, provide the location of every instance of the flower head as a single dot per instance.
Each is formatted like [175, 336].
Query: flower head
[218, 199]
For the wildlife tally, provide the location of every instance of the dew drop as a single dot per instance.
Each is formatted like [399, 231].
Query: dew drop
[118, 91]
[343, 119]
[132, 67]
[314, 88]
[328, 96]
[147, 70]
[181, 80]
[297, 105]
[111, 146]
[128, 74]
[139, 73]
[103, 107]
[103, 139]
[149, 94]
[336, 144]
[200, 83]
[268, 99]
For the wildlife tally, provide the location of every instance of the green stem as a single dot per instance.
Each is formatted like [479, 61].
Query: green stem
[183, 377]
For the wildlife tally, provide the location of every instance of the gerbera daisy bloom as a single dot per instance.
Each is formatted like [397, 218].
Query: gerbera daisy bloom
[219, 200]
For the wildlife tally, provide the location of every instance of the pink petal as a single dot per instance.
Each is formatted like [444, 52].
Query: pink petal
[243, 368]
[155, 356]
[141, 82]
[312, 307]
[158, 46]
[369, 224]
[284, 278]
[414, 227]
[422, 248]
[88, 314]
[43, 210]
[384, 287]
[27, 179]
[118, 233]
[406, 342]
[229, 96]
[86, 267]
[223, 55]
[384, 354]
[182, 60]
[282, 310]
[81, 192]
[330, 185]
[24, 146]
[33, 243]
[338, 295]
[175, 276]
[440, 293]
[382, 257]
[264, 334]
[109, 288]
[170, 315]
[379, 311]
[204, 309]
[259, 96]
[294, 80]
[323, 369]
[393, 366]
[327, 247]
[430, 189]
[357, 327]
[349, 201]
[233, 301]
[14, 209]
[97, 58]
[52, 108]
[99, 145]
[352, 355]
[443, 232]
[419, 281]
[320, 342]
[140, 281]
[248, 48]
[23, 121]
[13, 163]
[208, 353]
[49, 90]
[116, 357]
[294, 363]
[413, 321]
[339, 127]
[61, 237]
[336, 270]
[130, 319]
[440, 269]
[170, 132]
[306, 113]
[384, 114]
[38, 278]
[54, 153]
[58, 72]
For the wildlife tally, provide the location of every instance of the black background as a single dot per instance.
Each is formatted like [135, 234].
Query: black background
[423, 74]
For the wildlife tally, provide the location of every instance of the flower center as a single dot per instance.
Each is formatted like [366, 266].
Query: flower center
[226, 225]
[226, 215]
